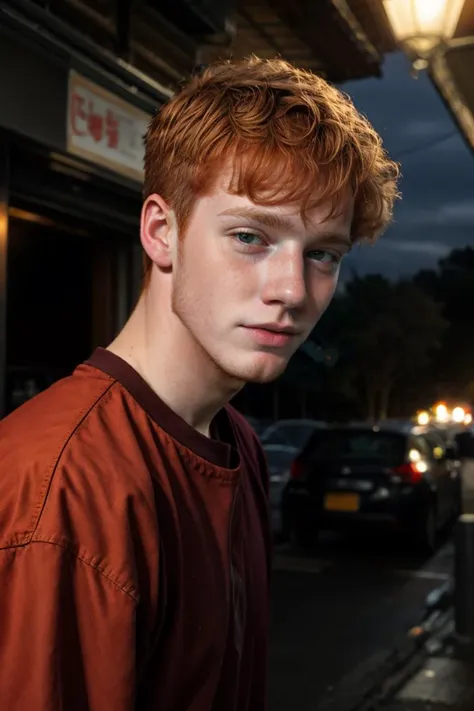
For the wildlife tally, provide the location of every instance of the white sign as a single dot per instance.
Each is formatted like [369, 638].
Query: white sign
[105, 129]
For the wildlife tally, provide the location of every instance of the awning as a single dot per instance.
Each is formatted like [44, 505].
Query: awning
[452, 74]
[452, 69]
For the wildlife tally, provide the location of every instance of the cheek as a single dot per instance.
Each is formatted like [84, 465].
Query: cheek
[236, 279]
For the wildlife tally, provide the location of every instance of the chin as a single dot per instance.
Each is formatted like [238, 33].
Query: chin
[261, 368]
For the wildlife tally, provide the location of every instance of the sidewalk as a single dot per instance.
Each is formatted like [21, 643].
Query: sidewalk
[438, 675]
[442, 683]
[438, 679]
[441, 676]
[427, 670]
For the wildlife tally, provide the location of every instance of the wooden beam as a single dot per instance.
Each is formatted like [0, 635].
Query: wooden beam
[448, 84]
[360, 38]
[321, 26]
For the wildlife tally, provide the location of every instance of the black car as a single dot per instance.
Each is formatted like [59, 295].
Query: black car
[400, 476]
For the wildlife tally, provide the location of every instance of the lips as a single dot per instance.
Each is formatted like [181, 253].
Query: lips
[273, 336]
[276, 328]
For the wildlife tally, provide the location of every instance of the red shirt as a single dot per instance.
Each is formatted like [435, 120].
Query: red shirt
[134, 561]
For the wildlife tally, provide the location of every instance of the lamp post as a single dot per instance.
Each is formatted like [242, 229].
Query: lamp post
[422, 27]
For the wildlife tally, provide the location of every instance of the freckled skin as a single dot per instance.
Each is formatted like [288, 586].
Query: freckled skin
[232, 272]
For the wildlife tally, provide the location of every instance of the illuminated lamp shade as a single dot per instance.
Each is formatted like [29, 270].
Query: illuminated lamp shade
[421, 26]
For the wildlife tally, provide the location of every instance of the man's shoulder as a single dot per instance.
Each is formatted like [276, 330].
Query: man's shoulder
[43, 425]
[62, 455]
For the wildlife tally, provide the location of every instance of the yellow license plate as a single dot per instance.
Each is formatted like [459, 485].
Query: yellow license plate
[341, 502]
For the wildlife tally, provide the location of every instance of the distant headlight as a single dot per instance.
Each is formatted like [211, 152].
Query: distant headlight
[458, 414]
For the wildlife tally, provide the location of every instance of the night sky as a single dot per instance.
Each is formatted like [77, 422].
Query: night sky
[436, 212]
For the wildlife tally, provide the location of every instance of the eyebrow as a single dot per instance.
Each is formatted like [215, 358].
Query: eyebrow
[336, 238]
[269, 219]
[277, 222]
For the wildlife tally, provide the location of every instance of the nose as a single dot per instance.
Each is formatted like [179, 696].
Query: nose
[284, 278]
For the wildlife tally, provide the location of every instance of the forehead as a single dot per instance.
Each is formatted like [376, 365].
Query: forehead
[224, 202]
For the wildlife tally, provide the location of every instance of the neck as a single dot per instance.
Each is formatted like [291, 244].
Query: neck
[161, 349]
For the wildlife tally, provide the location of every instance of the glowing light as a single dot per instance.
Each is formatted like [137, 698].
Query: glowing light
[441, 412]
[468, 419]
[438, 452]
[423, 418]
[414, 455]
[422, 25]
[458, 414]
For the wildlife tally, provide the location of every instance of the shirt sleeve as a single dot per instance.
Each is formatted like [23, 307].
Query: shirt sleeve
[67, 633]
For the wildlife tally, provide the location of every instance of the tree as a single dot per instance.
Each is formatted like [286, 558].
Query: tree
[388, 332]
[452, 284]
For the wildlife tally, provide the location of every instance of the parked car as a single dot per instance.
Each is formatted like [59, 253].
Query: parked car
[292, 433]
[279, 459]
[376, 475]
[259, 426]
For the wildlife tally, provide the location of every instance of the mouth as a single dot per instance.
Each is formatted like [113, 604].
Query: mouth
[272, 335]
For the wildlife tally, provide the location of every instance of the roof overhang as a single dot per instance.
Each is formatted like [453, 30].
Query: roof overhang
[451, 68]
[325, 36]
[451, 72]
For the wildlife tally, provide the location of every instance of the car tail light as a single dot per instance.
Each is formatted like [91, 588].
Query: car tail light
[412, 472]
[297, 470]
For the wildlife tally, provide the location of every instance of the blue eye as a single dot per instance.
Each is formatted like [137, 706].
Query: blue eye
[324, 257]
[247, 238]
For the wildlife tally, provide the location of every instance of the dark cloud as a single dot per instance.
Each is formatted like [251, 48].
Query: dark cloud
[436, 212]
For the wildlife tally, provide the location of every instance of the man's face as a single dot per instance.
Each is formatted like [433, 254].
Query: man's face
[251, 281]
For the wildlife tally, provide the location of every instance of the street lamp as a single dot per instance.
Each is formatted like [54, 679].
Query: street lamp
[423, 26]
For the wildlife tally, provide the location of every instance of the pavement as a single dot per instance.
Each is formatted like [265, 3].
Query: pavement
[440, 684]
[341, 620]
[437, 675]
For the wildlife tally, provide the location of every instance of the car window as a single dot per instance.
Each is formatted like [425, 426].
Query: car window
[386, 447]
[279, 457]
[293, 434]
[298, 436]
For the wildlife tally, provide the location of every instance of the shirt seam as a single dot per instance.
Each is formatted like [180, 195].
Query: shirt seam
[25, 537]
[48, 479]
[77, 556]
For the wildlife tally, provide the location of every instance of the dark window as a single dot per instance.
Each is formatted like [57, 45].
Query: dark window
[280, 458]
[357, 445]
[293, 435]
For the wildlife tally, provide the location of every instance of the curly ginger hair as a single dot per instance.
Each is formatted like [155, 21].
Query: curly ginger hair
[288, 134]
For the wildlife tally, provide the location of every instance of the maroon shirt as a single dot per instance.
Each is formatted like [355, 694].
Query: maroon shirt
[135, 552]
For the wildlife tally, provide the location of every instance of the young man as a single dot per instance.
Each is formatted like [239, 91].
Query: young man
[135, 546]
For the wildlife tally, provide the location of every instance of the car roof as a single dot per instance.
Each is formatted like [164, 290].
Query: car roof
[297, 421]
[292, 422]
[396, 426]
[279, 448]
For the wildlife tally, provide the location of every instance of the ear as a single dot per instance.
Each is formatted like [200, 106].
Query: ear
[157, 228]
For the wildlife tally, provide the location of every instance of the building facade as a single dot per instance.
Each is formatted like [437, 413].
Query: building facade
[71, 162]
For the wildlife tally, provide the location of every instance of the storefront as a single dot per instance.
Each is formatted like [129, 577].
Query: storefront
[71, 154]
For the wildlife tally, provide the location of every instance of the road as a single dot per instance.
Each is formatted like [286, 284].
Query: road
[335, 611]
